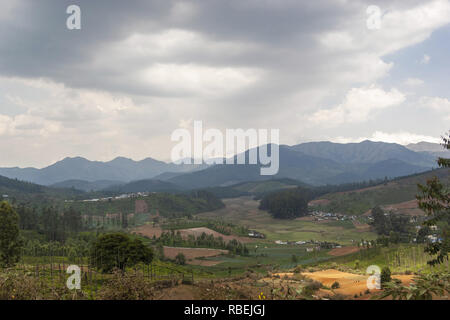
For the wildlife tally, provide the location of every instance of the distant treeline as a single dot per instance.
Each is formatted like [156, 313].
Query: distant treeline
[174, 239]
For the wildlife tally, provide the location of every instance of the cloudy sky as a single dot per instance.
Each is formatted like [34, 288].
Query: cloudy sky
[137, 70]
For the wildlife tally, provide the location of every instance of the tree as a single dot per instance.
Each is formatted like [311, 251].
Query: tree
[117, 250]
[434, 199]
[380, 222]
[385, 276]
[180, 259]
[10, 242]
[423, 233]
[286, 204]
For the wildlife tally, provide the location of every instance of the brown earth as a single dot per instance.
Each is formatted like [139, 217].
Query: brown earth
[191, 254]
[140, 206]
[148, 230]
[342, 251]
[406, 208]
[350, 284]
[361, 227]
[318, 202]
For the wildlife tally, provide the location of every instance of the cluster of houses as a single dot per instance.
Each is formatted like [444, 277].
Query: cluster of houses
[433, 238]
[122, 196]
[320, 215]
[255, 234]
[315, 245]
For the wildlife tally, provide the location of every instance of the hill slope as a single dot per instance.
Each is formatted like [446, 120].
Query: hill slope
[24, 191]
[317, 170]
[78, 168]
[394, 192]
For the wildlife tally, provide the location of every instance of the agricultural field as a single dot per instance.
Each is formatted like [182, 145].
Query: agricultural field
[244, 210]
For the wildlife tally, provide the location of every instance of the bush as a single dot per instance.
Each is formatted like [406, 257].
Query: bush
[17, 286]
[180, 259]
[124, 286]
[311, 287]
[385, 275]
[298, 269]
[335, 285]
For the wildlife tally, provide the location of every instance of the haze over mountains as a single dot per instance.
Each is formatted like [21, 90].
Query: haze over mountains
[314, 163]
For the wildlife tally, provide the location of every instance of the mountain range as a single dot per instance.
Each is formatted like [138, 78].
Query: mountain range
[314, 163]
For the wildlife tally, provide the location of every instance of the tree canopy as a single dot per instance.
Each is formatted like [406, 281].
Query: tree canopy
[286, 204]
[117, 250]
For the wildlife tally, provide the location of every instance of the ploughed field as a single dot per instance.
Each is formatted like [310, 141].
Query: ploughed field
[192, 255]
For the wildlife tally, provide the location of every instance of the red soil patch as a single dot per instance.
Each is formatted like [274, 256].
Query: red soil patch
[148, 230]
[140, 206]
[350, 284]
[192, 253]
[343, 251]
[318, 202]
[407, 208]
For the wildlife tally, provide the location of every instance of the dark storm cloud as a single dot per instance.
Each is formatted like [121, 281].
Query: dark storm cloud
[38, 44]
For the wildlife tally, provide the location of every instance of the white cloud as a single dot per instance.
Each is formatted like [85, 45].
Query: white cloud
[358, 105]
[413, 82]
[190, 79]
[438, 104]
[401, 137]
[425, 59]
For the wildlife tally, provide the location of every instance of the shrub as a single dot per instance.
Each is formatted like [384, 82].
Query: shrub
[385, 275]
[298, 269]
[124, 286]
[335, 285]
[180, 259]
[311, 287]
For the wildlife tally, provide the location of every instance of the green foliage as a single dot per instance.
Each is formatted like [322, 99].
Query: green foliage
[180, 259]
[335, 285]
[360, 201]
[434, 199]
[396, 226]
[168, 205]
[385, 276]
[10, 242]
[424, 287]
[117, 250]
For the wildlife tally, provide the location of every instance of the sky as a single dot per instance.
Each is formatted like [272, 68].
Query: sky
[138, 70]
